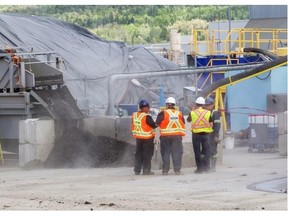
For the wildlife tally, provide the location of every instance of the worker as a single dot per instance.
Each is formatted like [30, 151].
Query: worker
[172, 128]
[201, 128]
[143, 127]
[214, 136]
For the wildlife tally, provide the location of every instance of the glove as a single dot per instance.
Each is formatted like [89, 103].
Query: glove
[216, 139]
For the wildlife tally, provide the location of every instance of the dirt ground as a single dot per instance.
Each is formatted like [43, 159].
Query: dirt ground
[113, 189]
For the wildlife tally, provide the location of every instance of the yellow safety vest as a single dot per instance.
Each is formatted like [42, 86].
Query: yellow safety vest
[200, 121]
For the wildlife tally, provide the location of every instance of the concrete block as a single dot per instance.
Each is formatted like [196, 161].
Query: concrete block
[282, 122]
[101, 126]
[36, 140]
[44, 130]
[27, 153]
[26, 131]
[282, 142]
[22, 132]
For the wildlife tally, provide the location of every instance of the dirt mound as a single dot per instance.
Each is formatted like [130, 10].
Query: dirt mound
[77, 148]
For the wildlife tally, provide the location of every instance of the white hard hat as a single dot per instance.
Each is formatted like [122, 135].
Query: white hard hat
[200, 100]
[170, 100]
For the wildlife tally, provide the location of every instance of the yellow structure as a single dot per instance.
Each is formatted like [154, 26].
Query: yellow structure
[273, 40]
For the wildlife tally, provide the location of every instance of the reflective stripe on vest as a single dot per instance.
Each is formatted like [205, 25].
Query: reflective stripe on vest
[172, 125]
[215, 120]
[200, 121]
[140, 129]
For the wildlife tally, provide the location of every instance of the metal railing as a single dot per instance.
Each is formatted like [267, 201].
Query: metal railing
[223, 42]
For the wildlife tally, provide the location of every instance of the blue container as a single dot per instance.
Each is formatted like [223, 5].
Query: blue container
[129, 107]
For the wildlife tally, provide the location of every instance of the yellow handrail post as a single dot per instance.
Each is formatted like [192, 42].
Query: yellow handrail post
[195, 39]
[222, 108]
[258, 39]
[213, 43]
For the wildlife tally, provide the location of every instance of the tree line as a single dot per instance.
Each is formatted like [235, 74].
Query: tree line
[134, 24]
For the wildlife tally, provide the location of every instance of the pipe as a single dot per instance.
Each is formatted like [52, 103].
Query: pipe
[264, 52]
[244, 75]
[113, 78]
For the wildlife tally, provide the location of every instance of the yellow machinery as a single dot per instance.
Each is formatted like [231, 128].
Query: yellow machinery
[272, 39]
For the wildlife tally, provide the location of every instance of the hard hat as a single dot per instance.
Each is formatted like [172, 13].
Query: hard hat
[144, 103]
[170, 100]
[209, 101]
[200, 101]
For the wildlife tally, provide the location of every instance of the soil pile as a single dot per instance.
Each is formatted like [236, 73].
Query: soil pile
[77, 148]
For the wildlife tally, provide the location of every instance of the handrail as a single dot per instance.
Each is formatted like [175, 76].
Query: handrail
[264, 38]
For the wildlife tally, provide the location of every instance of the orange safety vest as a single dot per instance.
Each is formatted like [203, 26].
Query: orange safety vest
[200, 121]
[172, 123]
[140, 129]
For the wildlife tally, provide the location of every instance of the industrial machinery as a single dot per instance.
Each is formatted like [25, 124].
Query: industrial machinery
[31, 86]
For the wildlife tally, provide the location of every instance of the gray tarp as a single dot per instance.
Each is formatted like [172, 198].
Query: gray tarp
[90, 60]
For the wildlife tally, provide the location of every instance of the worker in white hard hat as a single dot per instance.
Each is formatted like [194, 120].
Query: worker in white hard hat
[143, 127]
[201, 128]
[172, 128]
[214, 136]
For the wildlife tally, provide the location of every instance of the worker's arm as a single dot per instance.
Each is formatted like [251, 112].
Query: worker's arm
[150, 122]
[216, 123]
[183, 120]
[189, 118]
[160, 118]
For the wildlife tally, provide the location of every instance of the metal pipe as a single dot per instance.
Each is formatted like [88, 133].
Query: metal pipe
[28, 53]
[11, 74]
[22, 75]
[113, 78]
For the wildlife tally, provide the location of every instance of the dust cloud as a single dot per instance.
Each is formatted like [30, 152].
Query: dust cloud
[75, 148]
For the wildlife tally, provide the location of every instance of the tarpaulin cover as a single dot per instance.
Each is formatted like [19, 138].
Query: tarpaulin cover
[90, 60]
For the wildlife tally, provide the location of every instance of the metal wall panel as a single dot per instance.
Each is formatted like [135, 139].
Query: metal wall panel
[267, 11]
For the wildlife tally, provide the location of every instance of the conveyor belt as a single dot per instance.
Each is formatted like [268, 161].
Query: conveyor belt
[44, 73]
[60, 103]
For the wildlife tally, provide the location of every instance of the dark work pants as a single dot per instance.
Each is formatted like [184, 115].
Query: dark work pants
[143, 155]
[213, 145]
[201, 144]
[171, 145]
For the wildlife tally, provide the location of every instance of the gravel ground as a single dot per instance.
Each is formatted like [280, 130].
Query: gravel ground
[116, 188]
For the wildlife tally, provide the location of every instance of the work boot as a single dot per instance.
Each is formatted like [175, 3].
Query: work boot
[213, 164]
[198, 171]
[148, 173]
[164, 172]
[177, 172]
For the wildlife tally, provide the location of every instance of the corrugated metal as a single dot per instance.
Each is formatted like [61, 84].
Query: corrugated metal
[267, 11]
[279, 23]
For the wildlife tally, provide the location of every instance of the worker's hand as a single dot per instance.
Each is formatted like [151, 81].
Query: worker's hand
[216, 139]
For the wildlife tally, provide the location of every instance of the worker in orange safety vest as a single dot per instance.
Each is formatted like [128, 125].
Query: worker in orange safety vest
[201, 127]
[172, 129]
[143, 127]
